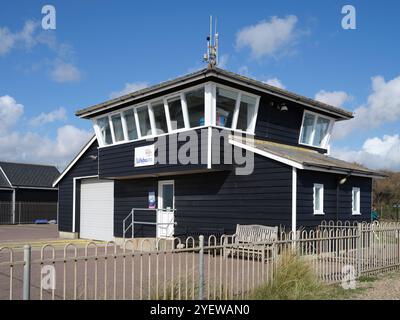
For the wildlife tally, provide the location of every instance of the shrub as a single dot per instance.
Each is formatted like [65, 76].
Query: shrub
[294, 279]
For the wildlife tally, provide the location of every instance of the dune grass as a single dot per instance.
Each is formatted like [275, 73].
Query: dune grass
[294, 280]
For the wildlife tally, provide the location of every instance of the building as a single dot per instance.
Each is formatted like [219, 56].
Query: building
[165, 147]
[29, 184]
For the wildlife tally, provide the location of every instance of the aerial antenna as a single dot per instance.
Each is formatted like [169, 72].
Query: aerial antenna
[211, 57]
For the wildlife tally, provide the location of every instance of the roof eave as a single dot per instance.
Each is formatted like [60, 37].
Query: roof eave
[355, 172]
[218, 73]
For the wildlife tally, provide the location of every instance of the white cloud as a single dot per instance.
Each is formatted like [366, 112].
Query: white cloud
[7, 41]
[129, 88]
[31, 35]
[376, 153]
[383, 106]
[10, 112]
[43, 118]
[223, 61]
[275, 82]
[17, 145]
[65, 72]
[34, 148]
[267, 37]
[334, 98]
[25, 37]
[244, 70]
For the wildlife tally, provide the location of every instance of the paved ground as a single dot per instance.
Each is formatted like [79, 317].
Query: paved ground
[384, 287]
[28, 232]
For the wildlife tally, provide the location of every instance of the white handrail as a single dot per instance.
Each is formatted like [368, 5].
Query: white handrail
[133, 222]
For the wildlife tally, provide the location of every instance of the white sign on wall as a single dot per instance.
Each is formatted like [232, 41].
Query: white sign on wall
[144, 156]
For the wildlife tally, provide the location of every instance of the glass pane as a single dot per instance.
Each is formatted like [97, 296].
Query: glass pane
[159, 117]
[168, 196]
[144, 121]
[317, 198]
[117, 125]
[308, 125]
[321, 129]
[355, 200]
[246, 112]
[105, 130]
[175, 113]
[131, 124]
[226, 102]
[195, 106]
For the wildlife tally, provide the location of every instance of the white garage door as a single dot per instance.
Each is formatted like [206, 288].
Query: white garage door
[97, 209]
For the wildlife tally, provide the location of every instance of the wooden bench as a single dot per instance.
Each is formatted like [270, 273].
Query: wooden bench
[245, 235]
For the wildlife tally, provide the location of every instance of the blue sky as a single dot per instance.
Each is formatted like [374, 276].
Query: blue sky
[100, 48]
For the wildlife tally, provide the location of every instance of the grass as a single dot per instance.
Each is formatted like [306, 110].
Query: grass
[294, 280]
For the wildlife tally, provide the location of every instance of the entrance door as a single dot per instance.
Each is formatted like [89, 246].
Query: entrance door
[165, 216]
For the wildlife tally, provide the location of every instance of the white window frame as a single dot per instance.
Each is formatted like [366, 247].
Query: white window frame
[358, 199]
[240, 93]
[112, 127]
[210, 97]
[321, 197]
[326, 139]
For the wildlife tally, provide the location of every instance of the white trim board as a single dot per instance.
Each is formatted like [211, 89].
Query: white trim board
[8, 180]
[294, 201]
[295, 164]
[72, 163]
[267, 154]
[74, 198]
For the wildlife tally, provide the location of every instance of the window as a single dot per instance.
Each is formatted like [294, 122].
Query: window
[247, 111]
[226, 104]
[321, 129]
[144, 121]
[175, 113]
[160, 121]
[131, 124]
[356, 200]
[202, 105]
[318, 198]
[315, 130]
[105, 130]
[195, 107]
[117, 126]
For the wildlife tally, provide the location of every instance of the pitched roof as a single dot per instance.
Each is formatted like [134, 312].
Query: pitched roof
[303, 158]
[29, 175]
[219, 73]
[3, 180]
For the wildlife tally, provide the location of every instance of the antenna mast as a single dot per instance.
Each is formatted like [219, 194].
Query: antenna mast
[212, 46]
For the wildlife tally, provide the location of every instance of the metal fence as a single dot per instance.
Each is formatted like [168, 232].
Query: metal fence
[27, 212]
[212, 268]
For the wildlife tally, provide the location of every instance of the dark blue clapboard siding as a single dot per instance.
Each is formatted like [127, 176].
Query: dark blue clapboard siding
[6, 195]
[278, 126]
[305, 183]
[214, 200]
[85, 166]
[118, 161]
[35, 195]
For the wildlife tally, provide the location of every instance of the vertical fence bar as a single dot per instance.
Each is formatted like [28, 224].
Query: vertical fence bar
[359, 248]
[27, 273]
[201, 267]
